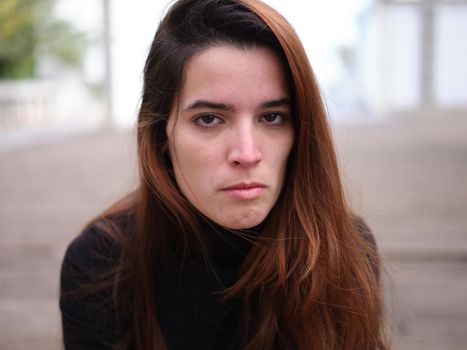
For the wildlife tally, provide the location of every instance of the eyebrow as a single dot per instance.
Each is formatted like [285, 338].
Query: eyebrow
[208, 104]
[277, 103]
[228, 107]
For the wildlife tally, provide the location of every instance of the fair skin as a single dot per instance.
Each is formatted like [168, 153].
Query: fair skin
[230, 141]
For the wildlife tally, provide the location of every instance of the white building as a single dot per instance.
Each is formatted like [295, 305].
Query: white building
[412, 57]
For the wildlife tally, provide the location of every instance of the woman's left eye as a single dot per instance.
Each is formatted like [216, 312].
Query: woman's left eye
[273, 118]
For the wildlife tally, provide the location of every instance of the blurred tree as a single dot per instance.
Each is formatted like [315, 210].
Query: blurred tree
[28, 30]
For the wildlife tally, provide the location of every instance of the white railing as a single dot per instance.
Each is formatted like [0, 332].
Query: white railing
[25, 104]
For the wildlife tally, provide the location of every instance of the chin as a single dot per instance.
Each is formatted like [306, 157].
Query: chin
[241, 222]
[241, 226]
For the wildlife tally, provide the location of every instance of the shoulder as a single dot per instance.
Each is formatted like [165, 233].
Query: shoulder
[364, 230]
[371, 247]
[91, 249]
[98, 245]
[95, 251]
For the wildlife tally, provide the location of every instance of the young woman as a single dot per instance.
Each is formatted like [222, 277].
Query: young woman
[238, 236]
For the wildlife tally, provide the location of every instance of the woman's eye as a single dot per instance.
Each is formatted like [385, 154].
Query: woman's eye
[207, 120]
[274, 118]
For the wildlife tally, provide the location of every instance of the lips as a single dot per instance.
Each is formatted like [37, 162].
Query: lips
[245, 191]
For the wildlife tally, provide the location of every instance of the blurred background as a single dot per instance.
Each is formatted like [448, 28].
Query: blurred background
[394, 79]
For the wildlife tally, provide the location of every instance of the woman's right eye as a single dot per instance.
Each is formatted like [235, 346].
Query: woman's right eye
[207, 120]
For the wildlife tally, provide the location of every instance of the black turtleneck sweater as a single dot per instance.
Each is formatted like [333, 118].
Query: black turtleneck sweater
[190, 312]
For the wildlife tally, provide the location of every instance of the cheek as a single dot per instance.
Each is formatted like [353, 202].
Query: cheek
[282, 159]
[282, 150]
[194, 161]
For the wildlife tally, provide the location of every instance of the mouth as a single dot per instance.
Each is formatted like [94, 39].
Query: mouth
[245, 191]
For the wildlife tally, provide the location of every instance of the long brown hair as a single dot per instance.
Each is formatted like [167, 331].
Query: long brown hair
[309, 282]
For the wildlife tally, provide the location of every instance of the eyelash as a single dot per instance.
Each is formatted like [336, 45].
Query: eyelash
[199, 119]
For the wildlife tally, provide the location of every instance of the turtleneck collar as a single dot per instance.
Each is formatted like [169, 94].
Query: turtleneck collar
[226, 245]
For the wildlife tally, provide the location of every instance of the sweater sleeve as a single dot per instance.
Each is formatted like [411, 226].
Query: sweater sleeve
[86, 304]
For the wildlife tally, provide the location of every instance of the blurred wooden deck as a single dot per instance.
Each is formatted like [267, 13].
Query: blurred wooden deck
[408, 178]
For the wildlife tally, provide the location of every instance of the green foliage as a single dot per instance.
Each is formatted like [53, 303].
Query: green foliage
[27, 29]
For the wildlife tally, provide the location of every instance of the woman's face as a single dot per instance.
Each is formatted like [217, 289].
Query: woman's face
[230, 141]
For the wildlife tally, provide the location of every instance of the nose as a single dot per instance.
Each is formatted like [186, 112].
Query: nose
[245, 148]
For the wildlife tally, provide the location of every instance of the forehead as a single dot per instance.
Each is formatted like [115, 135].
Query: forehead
[235, 74]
